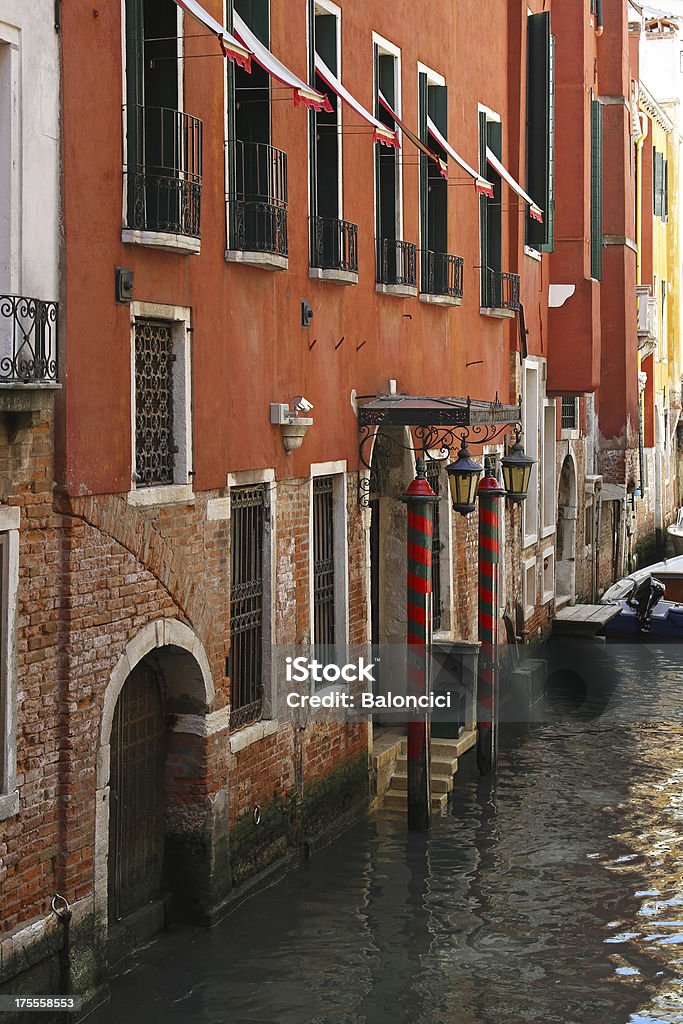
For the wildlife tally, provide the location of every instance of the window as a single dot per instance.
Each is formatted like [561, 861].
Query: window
[162, 145]
[162, 442]
[9, 582]
[596, 190]
[334, 241]
[569, 413]
[396, 260]
[434, 478]
[660, 185]
[433, 103]
[540, 134]
[548, 575]
[490, 213]
[549, 455]
[530, 414]
[328, 559]
[530, 593]
[8, 127]
[248, 516]
[257, 171]
[588, 520]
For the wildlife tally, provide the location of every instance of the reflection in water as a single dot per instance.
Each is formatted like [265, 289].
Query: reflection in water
[554, 894]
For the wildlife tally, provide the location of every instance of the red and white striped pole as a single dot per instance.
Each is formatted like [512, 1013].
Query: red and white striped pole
[419, 498]
[490, 493]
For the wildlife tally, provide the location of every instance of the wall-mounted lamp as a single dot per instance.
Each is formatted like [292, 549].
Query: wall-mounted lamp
[293, 426]
[517, 467]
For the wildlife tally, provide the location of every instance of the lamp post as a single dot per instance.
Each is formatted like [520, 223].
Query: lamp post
[464, 482]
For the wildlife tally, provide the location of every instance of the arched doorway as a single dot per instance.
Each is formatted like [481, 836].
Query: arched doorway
[566, 533]
[136, 793]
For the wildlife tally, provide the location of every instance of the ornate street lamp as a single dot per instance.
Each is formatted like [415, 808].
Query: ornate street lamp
[463, 480]
[517, 471]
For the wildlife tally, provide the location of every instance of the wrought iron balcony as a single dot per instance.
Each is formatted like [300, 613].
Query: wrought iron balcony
[500, 290]
[28, 340]
[441, 274]
[334, 244]
[257, 210]
[162, 173]
[396, 263]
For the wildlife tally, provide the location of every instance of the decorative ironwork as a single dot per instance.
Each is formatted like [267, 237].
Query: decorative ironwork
[433, 473]
[438, 425]
[245, 662]
[396, 262]
[334, 244]
[162, 175]
[441, 274]
[568, 416]
[258, 211]
[323, 562]
[500, 290]
[28, 340]
[155, 449]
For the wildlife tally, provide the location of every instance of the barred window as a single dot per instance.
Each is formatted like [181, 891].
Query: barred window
[245, 664]
[569, 413]
[155, 448]
[323, 561]
[434, 478]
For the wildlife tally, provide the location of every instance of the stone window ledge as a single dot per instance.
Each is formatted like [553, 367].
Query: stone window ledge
[252, 734]
[9, 805]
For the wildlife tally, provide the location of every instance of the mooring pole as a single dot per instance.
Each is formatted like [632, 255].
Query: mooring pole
[419, 498]
[490, 493]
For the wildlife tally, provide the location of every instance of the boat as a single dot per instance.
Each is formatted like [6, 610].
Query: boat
[675, 531]
[651, 601]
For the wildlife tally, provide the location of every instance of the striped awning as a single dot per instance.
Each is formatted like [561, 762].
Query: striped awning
[232, 48]
[304, 95]
[481, 184]
[534, 211]
[416, 141]
[380, 131]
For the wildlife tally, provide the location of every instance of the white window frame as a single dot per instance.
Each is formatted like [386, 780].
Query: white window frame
[531, 425]
[388, 49]
[328, 7]
[182, 488]
[549, 464]
[10, 518]
[529, 605]
[547, 594]
[10, 152]
[337, 470]
[252, 478]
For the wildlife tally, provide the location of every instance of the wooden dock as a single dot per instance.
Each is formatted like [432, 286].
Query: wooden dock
[584, 620]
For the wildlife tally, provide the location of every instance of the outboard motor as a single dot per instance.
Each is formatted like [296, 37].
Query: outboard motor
[644, 597]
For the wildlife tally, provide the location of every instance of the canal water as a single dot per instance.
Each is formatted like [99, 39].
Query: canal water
[552, 893]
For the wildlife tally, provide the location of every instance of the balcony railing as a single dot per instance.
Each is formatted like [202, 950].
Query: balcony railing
[162, 174]
[500, 290]
[441, 274]
[396, 263]
[28, 340]
[257, 210]
[334, 244]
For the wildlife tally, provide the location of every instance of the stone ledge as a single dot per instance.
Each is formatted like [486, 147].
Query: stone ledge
[252, 734]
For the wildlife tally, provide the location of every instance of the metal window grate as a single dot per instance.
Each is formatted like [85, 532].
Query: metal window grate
[154, 446]
[569, 417]
[323, 561]
[245, 663]
[434, 478]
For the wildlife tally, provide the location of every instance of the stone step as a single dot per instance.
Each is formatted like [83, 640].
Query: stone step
[397, 799]
[438, 783]
[438, 765]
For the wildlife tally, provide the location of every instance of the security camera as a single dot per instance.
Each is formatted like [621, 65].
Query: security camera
[302, 404]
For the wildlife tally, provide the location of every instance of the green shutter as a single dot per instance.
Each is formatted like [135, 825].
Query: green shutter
[665, 197]
[657, 182]
[538, 131]
[596, 190]
[483, 212]
[423, 90]
[549, 211]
